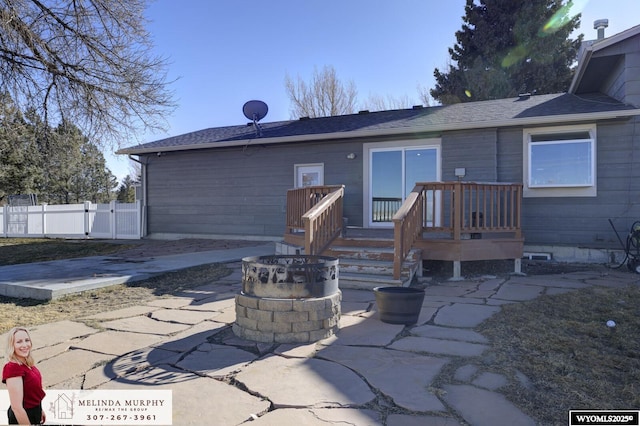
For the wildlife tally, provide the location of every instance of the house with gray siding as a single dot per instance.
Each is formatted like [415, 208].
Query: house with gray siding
[575, 157]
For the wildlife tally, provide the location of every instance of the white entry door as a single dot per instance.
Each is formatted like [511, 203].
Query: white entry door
[309, 175]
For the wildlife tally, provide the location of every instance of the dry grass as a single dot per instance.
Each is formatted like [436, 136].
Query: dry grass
[572, 359]
[27, 312]
[15, 251]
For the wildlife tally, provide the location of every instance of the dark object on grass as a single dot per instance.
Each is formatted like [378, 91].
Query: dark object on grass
[631, 248]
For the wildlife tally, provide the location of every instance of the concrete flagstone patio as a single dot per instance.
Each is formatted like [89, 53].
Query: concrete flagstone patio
[370, 372]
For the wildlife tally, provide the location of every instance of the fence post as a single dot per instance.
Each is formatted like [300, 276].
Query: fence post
[112, 220]
[5, 214]
[87, 221]
[44, 220]
[139, 217]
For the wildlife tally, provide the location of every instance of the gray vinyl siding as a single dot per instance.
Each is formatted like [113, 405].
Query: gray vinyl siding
[475, 150]
[632, 73]
[583, 221]
[241, 191]
[614, 85]
[509, 149]
[624, 83]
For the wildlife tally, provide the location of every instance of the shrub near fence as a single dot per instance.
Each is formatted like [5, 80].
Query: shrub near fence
[88, 220]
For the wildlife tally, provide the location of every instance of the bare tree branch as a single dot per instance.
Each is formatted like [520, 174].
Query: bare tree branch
[325, 96]
[87, 62]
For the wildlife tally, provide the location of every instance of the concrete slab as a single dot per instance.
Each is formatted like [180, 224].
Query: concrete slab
[354, 308]
[70, 364]
[292, 350]
[116, 342]
[171, 302]
[191, 337]
[448, 333]
[465, 373]
[295, 382]
[362, 331]
[352, 295]
[197, 400]
[426, 314]
[490, 381]
[143, 324]
[141, 359]
[438, 346]
[492, 284]
[131, 311]
[182, 316]
[95, 377]
[53, 350]
[401, 376]
[518, 292]
[225, 316]
[213, 303]
[318, 416]
[216, 361]
[442, 290]
[57, 332]
[481, 407]
[447, 300]
[50, 280]
[480, 294]
[464, 315]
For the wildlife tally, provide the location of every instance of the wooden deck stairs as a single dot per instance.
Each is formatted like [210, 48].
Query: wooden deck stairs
[365, 264]
[445, 221]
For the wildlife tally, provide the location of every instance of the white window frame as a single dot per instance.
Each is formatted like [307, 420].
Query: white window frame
[315, 167]
[560, 190]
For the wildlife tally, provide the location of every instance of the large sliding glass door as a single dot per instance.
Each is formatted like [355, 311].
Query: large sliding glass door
[393, 174]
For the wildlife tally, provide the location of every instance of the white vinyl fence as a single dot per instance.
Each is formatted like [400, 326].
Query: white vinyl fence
[88, 220]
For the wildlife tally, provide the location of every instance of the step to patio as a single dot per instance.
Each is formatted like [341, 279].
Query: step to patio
[360, 281]
[365, 266]
[368, 267]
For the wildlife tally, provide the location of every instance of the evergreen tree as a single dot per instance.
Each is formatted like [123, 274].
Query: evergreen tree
[127, 190]
[77, 170]
[508, 47]
[20, 159]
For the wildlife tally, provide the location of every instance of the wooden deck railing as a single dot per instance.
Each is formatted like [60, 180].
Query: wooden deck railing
[318, 211]
[466, 209]
[407, 227]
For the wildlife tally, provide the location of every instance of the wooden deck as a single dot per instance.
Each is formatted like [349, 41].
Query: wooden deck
[449, 221]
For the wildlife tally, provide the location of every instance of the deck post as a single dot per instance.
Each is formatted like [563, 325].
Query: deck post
[458, 201]
[517, 267]
[457, 271]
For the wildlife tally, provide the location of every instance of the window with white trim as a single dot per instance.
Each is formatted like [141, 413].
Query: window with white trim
[560, 162]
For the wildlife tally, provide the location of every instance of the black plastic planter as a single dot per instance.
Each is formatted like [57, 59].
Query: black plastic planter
[399, 305]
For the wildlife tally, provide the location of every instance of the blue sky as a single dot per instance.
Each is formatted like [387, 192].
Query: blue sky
[223, 53]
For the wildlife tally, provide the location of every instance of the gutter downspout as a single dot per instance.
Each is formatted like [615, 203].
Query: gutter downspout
[143, 176]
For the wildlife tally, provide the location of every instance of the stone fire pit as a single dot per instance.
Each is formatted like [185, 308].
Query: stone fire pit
[288, 299]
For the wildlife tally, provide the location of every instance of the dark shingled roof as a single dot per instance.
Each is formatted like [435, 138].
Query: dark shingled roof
[501, 112]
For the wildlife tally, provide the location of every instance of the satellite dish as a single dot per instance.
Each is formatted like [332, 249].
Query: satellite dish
[255, 110]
